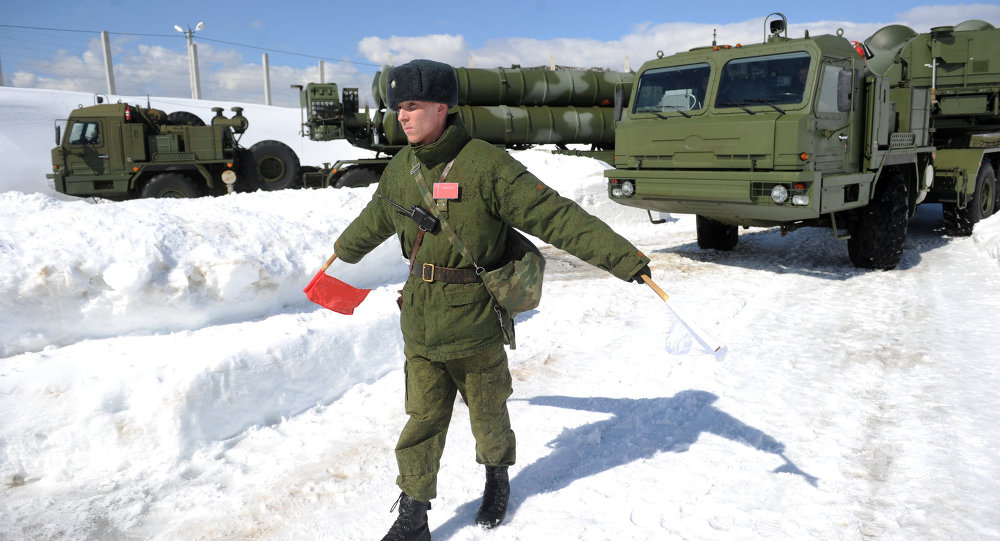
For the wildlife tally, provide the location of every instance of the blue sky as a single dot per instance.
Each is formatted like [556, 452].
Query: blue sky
[149, 55]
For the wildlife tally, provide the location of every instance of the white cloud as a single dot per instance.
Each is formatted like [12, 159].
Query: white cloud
[643, 42]
[923, 18]
[441, 47]
[226, 75]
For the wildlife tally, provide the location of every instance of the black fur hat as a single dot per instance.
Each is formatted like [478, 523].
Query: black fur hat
[421, 80]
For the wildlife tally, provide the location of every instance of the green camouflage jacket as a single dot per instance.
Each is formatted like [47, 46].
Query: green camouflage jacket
[442, 320]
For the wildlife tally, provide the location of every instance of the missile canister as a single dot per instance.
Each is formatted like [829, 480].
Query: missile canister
[523, 125]
[527, 86]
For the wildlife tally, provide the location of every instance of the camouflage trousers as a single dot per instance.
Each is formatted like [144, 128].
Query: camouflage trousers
[485, 383]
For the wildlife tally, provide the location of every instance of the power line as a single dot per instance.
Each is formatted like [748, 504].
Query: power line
[200, 38]
[288, 52]
[43, 28]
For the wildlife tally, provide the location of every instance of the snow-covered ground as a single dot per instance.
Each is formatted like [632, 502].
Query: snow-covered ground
[163, 377]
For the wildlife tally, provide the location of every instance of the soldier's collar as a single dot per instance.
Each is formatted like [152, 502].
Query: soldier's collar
[447, 146]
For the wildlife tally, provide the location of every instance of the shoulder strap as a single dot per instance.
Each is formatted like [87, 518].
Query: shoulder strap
[449, 231]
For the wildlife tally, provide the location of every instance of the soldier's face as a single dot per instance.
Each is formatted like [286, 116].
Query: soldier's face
[422, 121]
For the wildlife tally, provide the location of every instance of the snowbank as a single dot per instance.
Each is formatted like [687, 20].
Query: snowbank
[163, 377]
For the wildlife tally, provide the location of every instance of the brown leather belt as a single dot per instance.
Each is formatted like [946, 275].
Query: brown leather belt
[432, 273]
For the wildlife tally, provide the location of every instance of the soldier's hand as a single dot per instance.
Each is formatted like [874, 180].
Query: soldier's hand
[638, 276]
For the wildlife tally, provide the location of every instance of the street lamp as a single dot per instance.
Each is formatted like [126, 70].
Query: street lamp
[192, 59]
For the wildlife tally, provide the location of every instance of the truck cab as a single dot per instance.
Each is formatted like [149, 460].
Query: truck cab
[741, 134]
[89, 158]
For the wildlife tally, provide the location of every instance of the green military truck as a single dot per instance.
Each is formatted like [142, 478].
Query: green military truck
[120, 151]
[816, 131]
[511, 107]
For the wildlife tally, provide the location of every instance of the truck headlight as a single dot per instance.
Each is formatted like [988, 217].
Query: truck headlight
[779, 193]
[628, 188]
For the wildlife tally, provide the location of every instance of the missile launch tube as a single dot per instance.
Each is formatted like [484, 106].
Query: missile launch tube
[522, 125]
[527, 86]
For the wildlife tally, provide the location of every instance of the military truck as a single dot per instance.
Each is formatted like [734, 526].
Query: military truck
[511, 107]
[816, 131]
[119, 151]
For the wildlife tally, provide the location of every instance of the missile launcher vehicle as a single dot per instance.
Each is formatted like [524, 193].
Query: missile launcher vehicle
[511, 107]
[817, 131]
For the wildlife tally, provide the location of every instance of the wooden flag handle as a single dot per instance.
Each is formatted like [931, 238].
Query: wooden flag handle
[649, 282]
[703, 336]
[330, 262]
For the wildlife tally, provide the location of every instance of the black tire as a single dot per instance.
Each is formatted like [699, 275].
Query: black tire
[956, 220]
[713, 235]
[879, 231]
[996, 191]
[984, 200]
[170, 185]
[356, 177]
[959, 222]
[274, 165]
[184, 118]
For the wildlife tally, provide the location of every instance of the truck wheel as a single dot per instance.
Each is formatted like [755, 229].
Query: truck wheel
[170, 185]
[274, 165]
[878, 234]
[184, 118]
[959, 222]
[996, 191]
[715, 235]
[984, 199]
[356, 177]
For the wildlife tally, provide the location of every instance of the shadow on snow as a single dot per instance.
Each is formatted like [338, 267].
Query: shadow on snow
[638, 429]
[815, 251]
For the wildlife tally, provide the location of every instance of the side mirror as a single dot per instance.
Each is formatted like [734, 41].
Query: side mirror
[623, 91]
[58, 134]
[844, 90]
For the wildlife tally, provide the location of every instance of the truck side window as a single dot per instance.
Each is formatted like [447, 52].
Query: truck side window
[85, 133]
[835, 90]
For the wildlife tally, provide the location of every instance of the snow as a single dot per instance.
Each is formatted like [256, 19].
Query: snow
[162, 376]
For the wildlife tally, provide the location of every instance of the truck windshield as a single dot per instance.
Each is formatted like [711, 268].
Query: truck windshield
[677, 88]
[763, 80]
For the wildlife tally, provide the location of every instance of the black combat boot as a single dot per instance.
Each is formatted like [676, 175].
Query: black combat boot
[411, 524]
[494, 508]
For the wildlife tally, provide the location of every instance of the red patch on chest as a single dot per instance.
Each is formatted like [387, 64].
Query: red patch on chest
[445, 190]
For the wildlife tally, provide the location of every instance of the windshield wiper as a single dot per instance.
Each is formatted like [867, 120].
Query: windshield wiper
[740, 105]
[769, 103]
[678, 109]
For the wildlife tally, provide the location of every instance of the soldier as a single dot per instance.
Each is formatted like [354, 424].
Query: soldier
[453, 337]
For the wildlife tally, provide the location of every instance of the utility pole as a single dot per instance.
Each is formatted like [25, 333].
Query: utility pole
[267, 81]
[192, 59]
[109, 73]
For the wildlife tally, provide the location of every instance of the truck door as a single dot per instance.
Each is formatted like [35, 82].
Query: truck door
[86, 146]
[835, 133]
